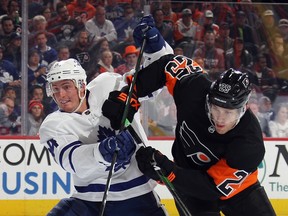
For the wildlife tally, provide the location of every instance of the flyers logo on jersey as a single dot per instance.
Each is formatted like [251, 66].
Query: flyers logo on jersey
[133, 101]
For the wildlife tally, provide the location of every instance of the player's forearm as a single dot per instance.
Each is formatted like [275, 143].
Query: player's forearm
[152, 77]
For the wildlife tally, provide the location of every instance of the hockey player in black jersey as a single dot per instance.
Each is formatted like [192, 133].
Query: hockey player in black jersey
[218, 142]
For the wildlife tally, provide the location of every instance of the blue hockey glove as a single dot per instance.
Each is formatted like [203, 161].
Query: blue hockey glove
[113, 107]
[123, 142]
[149, 20]
[147, 156]
[146, 29]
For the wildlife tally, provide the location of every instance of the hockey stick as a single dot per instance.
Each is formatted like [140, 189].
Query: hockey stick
[122, 126]
[162, 177]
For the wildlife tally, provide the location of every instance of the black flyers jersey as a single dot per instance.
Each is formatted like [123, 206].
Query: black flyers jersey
[229, 160]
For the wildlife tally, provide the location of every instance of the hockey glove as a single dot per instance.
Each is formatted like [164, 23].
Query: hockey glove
[122, 142]
[113, 107]
[147, 156]
[146, 29]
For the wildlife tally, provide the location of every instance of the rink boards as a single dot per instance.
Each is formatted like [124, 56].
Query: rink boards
[31, 183]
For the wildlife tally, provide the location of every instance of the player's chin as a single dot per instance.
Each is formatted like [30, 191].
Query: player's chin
[221, 129]
[66, 108]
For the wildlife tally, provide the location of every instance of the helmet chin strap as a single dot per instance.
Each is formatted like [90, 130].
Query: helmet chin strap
[81, 99]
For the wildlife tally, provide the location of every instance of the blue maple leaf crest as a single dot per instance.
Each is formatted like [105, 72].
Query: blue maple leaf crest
[105, 132]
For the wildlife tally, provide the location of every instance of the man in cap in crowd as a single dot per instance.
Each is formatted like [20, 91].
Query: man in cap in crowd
[208, 24]
[224, 41]
[130, 57]
[185, 28]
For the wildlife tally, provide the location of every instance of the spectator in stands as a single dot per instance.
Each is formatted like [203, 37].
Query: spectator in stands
[64, 26]
[7, 30]
[254, 107]
[13, 50]
[34, 9]
[283, 29]
[277, 59]
[10, 92]
[36, 71]
[224, 41]
[35, 117]
[238, 57]
[138, 9]
[130, 57]
[99, 28]
[197, 13]
[240, 29]
[223, 12]
[265, 107]
[252, 15]
[9, 76]
[81, 10]
[47, 13]
[264, 78]
[37, 93]
[14, 13]
[169, 15]
[39, 24]
[268, 27]
[165, 28]
[214, 62]
[99, 48]
[81, 50]
[208, 25]
[9, 121]
[63, 54]
[185, 28]
[102, 66]
[178, 51]
[105, 62]
[124, 27]
[113, 10]
[4, 6]
[279, 127]
[47, 53]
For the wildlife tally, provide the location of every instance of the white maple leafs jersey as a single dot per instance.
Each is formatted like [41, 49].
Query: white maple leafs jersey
[73, 141]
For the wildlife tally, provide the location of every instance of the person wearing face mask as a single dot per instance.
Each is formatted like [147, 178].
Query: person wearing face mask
[218, 142]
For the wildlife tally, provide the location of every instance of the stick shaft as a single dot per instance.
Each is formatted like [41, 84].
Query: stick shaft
[137, 69]
[122, 126]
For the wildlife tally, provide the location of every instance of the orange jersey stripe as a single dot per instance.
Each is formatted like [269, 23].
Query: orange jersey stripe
[230, 181]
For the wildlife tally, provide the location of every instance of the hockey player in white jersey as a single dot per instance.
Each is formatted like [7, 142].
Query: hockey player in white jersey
[82, 142]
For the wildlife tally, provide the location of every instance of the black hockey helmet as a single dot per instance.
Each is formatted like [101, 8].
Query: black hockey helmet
[231, 90]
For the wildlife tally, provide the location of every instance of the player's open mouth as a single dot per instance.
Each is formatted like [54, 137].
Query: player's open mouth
[220, 126]
[64, 101]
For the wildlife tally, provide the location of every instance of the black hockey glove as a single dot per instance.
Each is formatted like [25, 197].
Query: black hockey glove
[113, 107]
[147, 156]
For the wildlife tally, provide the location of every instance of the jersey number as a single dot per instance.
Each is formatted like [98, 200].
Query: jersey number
[181, 66]
[226, 188]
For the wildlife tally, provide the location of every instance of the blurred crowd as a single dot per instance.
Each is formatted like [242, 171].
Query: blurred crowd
[248, 36]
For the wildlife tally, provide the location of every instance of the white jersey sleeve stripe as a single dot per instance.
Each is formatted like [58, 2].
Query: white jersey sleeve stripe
[71, 154]
[75, 145]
